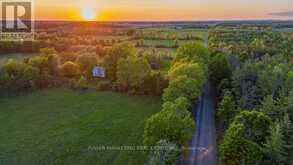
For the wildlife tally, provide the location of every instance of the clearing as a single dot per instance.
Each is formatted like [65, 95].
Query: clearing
[57, 126]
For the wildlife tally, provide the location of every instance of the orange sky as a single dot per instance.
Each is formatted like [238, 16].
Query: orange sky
[133, 10]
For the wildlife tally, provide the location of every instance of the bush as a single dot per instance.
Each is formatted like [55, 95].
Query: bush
[70, 70]
[82, 83]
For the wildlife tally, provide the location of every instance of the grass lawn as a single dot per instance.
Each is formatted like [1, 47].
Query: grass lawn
[57, 126]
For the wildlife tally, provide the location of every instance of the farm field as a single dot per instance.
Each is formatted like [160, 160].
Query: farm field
[59, 125]
[17, 56]
[163, 40]
[174, 32]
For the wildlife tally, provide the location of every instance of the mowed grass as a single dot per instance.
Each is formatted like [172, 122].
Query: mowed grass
[59, 126]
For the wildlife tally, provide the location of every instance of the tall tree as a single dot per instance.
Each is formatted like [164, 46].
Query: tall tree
[227, 108]
[120, 50]
[274, 146]
[133, 71]
[219, 68]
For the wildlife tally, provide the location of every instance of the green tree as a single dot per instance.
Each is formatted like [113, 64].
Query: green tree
[193, 52]
[274, 146]
[174, 124]
[236, 149]
[86, 63]
[256, 125]
[289, 80]
[164, 153]
[227, 109]
[156, 83]
[191, 70]
[53, 64]
[269, 107]
[17, 75]
[70, 70]
[258, 48]
[244, 83]
[219, 68]
[133, 71]
[40, 62]
[243, 140]
[47, 51]
[287, 129]
[182, 86]
[120, 50]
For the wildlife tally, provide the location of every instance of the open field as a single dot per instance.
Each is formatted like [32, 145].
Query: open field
[17, 56]
[167, 43]
[58, 126]
[174, 32]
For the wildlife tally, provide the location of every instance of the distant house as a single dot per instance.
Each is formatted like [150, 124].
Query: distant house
[98, 71]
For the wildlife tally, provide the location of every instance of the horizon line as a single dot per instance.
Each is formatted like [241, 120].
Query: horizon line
[171, 20]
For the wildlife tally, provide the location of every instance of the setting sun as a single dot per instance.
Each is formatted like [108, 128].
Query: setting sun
[88, 14]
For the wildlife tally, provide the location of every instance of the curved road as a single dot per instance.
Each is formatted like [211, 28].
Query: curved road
[203, 144]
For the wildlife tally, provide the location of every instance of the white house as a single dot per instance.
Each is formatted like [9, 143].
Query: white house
[98, 71]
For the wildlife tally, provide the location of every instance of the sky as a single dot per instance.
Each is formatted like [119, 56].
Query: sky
[168, 10]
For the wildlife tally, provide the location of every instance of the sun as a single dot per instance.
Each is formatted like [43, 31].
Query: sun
[88, 14]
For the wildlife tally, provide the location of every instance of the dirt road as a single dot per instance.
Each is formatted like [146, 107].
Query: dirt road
[203, 144]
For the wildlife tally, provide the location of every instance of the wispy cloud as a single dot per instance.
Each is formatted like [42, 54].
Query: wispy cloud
[282, 14]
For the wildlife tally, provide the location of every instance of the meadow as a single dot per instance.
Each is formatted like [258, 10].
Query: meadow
[58, 126]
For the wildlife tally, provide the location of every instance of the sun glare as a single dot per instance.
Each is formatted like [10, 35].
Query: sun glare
[88, 14]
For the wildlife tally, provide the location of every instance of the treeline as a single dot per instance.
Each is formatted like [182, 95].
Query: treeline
[255, 99]
[172, 127]
[126, 71]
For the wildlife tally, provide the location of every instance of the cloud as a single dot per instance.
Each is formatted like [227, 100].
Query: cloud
[282, 14]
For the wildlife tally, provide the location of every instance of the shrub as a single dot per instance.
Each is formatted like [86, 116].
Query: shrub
[82, 83]
[70, 70]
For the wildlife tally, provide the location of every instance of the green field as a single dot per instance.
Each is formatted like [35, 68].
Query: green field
[175, 32]
[17, 56]
[58, 126]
